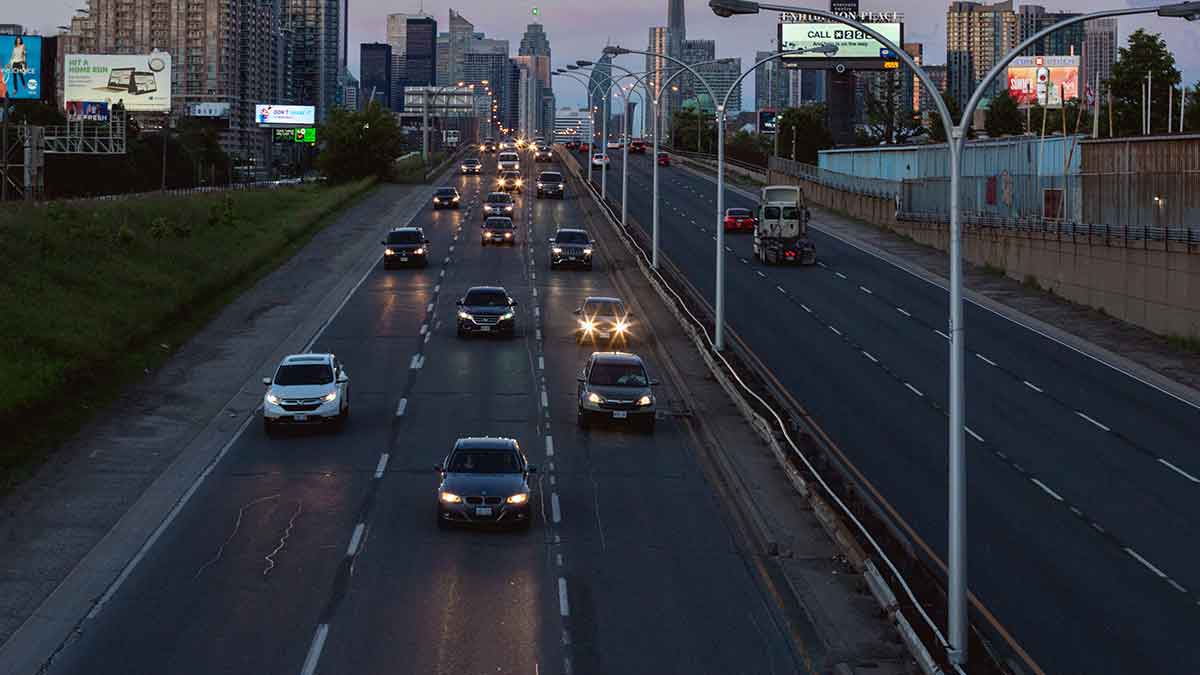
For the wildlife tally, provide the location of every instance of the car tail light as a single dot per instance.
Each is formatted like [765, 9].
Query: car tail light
[791, 254]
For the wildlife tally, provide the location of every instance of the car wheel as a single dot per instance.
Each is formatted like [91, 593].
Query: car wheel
[269, 427]
[442, 523]
[462, 333]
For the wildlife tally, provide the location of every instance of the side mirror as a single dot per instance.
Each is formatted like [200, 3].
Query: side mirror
[512, 303]
[437, 468]
[654, 383]
[550, 240]
[267, 381]
[343, 377]
[384, 243]
[577, 310]
[458, 303]
[581, 378]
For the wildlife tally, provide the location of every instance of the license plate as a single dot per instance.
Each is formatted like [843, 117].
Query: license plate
[483, 510]
[603, 335]
[300, 418]
[485, 329]
[570, 257]
[620, 414]
[403, 258]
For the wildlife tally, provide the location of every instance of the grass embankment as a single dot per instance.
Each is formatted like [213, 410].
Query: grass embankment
[94, 293]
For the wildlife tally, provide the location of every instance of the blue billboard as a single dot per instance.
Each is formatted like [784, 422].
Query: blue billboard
[21, 66]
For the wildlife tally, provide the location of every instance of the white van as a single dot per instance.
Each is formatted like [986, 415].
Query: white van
[508, 161]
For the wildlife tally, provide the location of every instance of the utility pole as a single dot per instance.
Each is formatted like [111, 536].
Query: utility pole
[4, 150]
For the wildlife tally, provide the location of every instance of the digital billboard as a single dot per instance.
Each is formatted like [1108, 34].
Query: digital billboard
[285, 115]
[767, 121]
[140, 82]
[21, 65]
[1044, 80]
[87, 111]
[208, 109]
[830, 44]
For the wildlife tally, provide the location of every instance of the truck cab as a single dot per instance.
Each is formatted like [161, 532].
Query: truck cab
[781, 233]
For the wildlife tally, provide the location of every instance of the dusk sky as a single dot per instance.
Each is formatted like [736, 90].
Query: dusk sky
[578, 29]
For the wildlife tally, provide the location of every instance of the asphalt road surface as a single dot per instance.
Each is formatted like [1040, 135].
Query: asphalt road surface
[1083, 482]
[319, 552]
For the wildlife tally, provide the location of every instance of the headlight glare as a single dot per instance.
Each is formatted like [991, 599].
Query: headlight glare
[449, 497]
[507, 315]
[272, 399]
[587, 325]
[388, 251]
[645, 400]
[331, 396]
[519, 498]
[557, 250]
[621, 327]
[464, 315]
[593, 397]
[587, 251]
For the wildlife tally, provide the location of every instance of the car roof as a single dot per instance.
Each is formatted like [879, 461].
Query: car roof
[557, 173]
[570, 229]
[501, 219]
[487, 289]
[505, 195]
[447, 188]
[486, 443]
[405, 229]
[601, 298]
[471, 159]
[617, 357]
[296, 359]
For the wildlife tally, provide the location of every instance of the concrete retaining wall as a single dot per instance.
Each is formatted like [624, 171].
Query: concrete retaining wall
[1151, 284]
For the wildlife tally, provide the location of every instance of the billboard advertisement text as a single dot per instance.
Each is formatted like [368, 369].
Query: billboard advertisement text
[140, 82]
[87, 111]
[21, 65]
[285, 115]
[1044, 80]
[834, 42]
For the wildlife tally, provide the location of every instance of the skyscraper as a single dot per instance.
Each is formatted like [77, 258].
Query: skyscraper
[676, 34]
[1065, 41]
[599, 87]
[320, 36]
[770, 83]
[350, 97]
[375, 66]
[420, 55]
[659, 70]
[397, 39]
[535, 53]
[977, 36]
[1099, 49]
[452, 47]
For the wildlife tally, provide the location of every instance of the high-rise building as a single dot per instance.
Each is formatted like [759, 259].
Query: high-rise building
[1099, 49]
[572, 124]
[805, 86]
[659, 70]
[911, 85]
[939, 75]
[600, 87]
[397, 39]
[420, 55]
[375, 67]
[770, 83]
[676, 34]
[319, 53]
[697, 51]
[451, 46]
[721, 76]
[1066, 41]
[351, 98]
[534, 52]
[977, 36]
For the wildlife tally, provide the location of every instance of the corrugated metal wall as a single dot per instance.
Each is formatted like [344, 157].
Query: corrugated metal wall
[1017, 156]
[1151, 180]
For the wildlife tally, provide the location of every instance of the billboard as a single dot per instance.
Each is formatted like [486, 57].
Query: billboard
[285, 115]
[21, 65]
[767, 121]
[1043, 80]
[208, 109]
[830, 44]
[140, 82]
[87, 111]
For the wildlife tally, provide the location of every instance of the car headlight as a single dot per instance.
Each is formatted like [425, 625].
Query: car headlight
[593, 397]
[449, 497]
[463, 315]
[520, 182]
[508, 208]
[519, 498]
[507, 315]
[621, 327]
[331, 396]
[587, 251]
[586, 325]
[272, 399]
[419, 251]
[508, 235]
[388, 251]
[540, 186]
[645, 400]
[455, 199]
[487, 234]
[557, 250]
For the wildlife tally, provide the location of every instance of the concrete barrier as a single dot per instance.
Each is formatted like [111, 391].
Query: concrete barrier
[1152, 284]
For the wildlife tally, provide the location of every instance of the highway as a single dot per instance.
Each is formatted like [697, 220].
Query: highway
[1083, 481]
[319, 552]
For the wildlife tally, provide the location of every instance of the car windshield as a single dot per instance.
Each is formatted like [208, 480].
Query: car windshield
[484, 461]
[486, 299]
[618, 375]
[510, 175]
[499, 224]
[470, 162]
[502, 197]
[791, 213]
[572, 238]
[550, 177]
[604, 308]
[303, 373]
[405, 237]
[771, 212]
[738, 213]
[446, 192]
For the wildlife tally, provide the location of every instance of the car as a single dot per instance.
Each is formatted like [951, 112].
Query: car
[543, 154]
[486, 309]
[637, 146]
[664, 159]
[497, 204]
[446, 197]
[550, 183]
[470, 165]
[600, 159]
[539, 140]
[405, 246]
[498, 230]
[584, 148]
[307, 389]
[510, 181]
[485, 481]
[508, 161]
[603, 318]
[614, 145]
[615, 386]
[571, 145]
[739, 220]
[508, 144]
[571, 246]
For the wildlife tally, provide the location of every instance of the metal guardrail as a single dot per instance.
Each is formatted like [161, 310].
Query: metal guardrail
[232, 187]
[870, 187]
[708, 157]
[1184, 234]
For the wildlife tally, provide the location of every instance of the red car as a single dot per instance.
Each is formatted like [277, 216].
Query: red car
[737, 220]
[571, 145]
[664, 159]
[637, 146]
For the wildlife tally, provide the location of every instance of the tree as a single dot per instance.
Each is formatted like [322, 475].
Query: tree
[890, 117]
[747, 147]
[803, 132]
[690, 126]
[1191, 110]
[1003, 117]
[1146, 53]
[357, 144]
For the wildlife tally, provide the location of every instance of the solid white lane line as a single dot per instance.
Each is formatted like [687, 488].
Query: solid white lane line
[805, 308]
[780, 289]
[1092, 421]
[537, 333]
[429, 308]
[563, 608]
[401, 407]
[759, 273]
[868, 355]
[941, 333]
[424, 327]
[986, 360]
[835, 330]
[914, 389]
[839, 275]
[379, 468]
[545, 401]
[314, 650]
[555, 509]
[1032, 386]
[901, 310]
[1178, 470]
[541, 363]
[549, 446]
[537, 312]
[866, 290]
[1045, 488]
[973, 434]
[1176, 586]
[1145, 562]
[355, 540]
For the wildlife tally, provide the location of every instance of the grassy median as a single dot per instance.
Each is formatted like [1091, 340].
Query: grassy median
[92, 294]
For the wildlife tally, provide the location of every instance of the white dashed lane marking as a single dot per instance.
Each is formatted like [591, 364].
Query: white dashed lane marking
[913, 389]
[1084, 416]
[563, 607]
[901, 310]
[401, 407]
[382, 466]
[1032, 386]
[986, 360]
[549, 446]
[555, 508]
[1045, 488]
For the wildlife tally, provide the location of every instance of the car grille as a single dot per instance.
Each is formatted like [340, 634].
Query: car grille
[492, 501]
[615, 404]
[486, 320]
[572, 250]
[300, 405]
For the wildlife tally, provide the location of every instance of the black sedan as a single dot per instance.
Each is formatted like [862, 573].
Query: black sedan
[405, 246]
[446, 197]
[484, 481]
[486, 309]
[569, 246]
[498, 204]
[498, 230]
[550, 184]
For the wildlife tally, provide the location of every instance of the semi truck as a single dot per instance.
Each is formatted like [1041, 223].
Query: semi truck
[781, 234]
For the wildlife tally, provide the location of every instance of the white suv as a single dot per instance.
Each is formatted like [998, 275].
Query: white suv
[306, 389]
